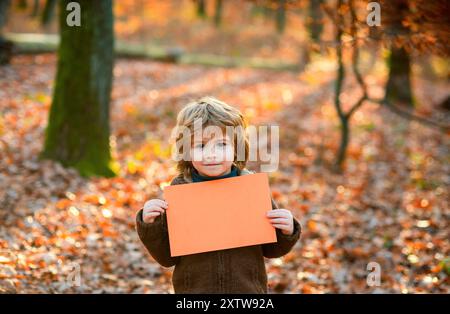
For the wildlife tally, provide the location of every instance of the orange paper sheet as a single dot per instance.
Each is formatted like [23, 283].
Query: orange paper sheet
[219, 214]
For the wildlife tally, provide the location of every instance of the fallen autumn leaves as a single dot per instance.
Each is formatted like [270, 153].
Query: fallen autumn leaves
[389, 207]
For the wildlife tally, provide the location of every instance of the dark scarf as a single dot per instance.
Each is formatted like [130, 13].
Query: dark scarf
[196, 177]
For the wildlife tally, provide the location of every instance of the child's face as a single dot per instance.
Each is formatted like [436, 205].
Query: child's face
[213, 155]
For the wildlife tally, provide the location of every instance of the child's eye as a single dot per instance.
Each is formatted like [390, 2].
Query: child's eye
[199, 146]
[222, 144]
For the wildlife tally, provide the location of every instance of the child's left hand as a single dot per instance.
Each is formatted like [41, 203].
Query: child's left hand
[282, 219]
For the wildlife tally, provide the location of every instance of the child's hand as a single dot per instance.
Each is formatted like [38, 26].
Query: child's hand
[282, 219]
[152, 209]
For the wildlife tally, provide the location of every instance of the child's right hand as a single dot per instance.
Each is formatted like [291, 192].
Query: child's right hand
[152, 209]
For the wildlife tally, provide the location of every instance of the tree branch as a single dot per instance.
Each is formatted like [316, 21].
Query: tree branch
[355, 61]
[407, 114]
[341, 69]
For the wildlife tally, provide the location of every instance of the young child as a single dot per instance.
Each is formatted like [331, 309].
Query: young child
[237, 270]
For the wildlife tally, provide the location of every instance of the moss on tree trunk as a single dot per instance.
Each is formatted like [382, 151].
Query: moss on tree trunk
[49, 11]
[78, 130]
[398, 87]
[218, 13]
[281, 16]
[315, 23]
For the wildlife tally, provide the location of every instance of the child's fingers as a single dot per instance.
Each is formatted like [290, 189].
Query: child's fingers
[157, 209]
[282, 221]
[160, 203]
[155, 204]
[153, 209]
[282, 227]
[152, 214]
[278, 213]
[150, 217]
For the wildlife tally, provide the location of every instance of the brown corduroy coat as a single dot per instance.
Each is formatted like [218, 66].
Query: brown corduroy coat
[237, 270]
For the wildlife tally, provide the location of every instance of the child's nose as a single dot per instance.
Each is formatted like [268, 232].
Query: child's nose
[209, 154]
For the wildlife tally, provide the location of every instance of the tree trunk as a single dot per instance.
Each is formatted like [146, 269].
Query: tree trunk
[78, 130]
[218, 13]
[281, 16]
[22, 4]
[201, 9]
[4, 8]
[398, 87]
[315, 25]
[35, 11]
[344, 120]
[340, 76]
[345, 138]
[6, 46]
[49, 11]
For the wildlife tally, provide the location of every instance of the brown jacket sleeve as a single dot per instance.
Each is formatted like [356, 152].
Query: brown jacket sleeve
[155, 237]
[284, 242]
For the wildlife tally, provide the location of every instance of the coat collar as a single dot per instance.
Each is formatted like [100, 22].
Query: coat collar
[245, 171]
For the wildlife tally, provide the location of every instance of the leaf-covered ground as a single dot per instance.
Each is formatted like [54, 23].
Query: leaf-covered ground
[390, 206]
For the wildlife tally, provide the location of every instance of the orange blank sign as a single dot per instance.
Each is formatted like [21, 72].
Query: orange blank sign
[219, 214]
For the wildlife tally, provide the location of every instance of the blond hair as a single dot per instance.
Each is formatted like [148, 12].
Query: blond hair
[212, 112]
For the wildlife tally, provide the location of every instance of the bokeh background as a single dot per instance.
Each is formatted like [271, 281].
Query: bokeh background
[86, 114]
